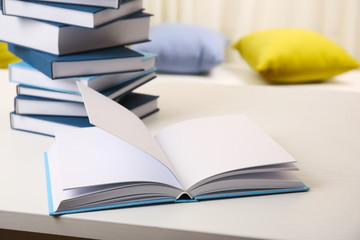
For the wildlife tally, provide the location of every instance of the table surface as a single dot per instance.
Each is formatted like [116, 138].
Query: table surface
[320, 128]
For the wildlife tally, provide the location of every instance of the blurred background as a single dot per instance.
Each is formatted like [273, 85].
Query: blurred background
[339, 20]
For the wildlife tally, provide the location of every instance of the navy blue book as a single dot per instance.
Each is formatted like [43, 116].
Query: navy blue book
[62, 39]
[142, 105]
[77, 15]
[103, 61]
[96, 3]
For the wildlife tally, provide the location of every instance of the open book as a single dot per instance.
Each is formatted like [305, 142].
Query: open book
[119, 163]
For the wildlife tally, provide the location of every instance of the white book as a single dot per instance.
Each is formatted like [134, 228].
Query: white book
[120, 165]
[71, 14]
[63, 39]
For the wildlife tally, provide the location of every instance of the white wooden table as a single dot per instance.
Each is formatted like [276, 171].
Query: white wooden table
[320, 128]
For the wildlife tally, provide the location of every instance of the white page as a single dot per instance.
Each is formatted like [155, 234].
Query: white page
[119, 121]
[55, 176]
[29, 33]
[263, 181]
[91, 156]
[201, 148]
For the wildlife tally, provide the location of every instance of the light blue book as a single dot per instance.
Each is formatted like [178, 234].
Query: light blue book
[24, 74]
[76, 15]
[199, 159]
[113, 92]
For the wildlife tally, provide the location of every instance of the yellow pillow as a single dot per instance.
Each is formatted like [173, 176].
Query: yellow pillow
[290, 55]
[5, 56]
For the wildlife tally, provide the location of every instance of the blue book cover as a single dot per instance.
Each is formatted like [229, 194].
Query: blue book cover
[38, 123]
[82, 8]
[62, 25]
[44, 62]
[72, 14]
[114, 92]
[68, 85]
[114, 4]
[24, 97]
[65, 120]
[126, 87]
[127, 98]
[45, 124]
[60, 40]
[78, 7]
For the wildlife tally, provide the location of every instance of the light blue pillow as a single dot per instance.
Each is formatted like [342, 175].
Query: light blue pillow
[185, 48]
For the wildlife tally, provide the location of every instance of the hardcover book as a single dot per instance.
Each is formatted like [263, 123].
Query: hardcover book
[122, 165]
[142, 105]
[26, 104]
[97, 3]
[23, 73]
[103, 61]
[76, 15]
[61, 39]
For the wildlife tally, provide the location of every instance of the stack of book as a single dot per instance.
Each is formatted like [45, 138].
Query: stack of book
[62, 42]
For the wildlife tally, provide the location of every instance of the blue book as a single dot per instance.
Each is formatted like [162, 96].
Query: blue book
[62, 39]
[142, 105]
[26, 104]
[96, 3]
[113, 92]
[77, 15]
[103, 61]
[194, 160]
[24, 74]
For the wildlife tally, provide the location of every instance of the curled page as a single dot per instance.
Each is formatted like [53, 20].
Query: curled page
[119, 121]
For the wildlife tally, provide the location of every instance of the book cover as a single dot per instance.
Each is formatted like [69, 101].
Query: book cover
[59, 38]
[72, 14]
[142, 105]
[26, 104]
[46, 125]
[103, 61]
[112, 92]
[96, 3]
[22, 73]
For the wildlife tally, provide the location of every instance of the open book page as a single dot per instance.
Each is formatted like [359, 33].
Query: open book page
[119, 121]
[251, 182]
[91, 157]
[55, 176]
[201, 148]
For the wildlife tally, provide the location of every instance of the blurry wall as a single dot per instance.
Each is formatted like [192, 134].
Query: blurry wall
[338, 20]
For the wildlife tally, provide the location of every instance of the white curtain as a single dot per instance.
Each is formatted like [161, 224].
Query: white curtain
[339, 20]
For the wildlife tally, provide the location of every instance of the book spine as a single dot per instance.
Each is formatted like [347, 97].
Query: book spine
[33, 58]
[2, 7]
[15, 105]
